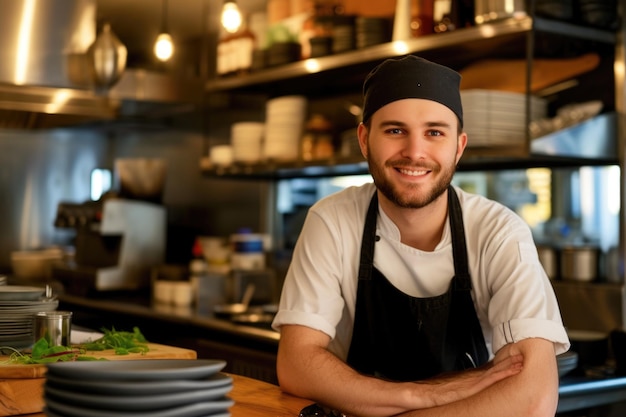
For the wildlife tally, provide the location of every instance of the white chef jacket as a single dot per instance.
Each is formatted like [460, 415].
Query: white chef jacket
[512, 294]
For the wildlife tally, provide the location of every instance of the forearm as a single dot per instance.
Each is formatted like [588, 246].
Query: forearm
[305, 368]
[324, 378]
[531, 393]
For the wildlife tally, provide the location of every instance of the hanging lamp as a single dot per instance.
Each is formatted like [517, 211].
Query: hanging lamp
[231, 16]
[108, 58]
[164, 46]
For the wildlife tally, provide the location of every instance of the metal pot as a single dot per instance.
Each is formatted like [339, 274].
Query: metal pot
[548, 259]
[579, 263]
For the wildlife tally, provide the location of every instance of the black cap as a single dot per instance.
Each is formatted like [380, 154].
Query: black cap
[411, 77]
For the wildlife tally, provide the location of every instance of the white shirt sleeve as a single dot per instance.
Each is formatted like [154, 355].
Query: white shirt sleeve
[514, 297]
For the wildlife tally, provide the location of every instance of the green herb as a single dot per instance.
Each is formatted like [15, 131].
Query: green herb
[43, 353]
[122, 342]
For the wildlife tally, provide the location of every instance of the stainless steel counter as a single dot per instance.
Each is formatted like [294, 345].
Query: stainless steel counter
[248, 350]
[140, 307]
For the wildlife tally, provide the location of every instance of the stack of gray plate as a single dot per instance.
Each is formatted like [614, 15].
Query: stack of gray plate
[372, 31]
[18, 305]
[138, 388]
[343, 34]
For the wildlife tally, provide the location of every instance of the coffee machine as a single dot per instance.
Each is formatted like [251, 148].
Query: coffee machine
[118, 241]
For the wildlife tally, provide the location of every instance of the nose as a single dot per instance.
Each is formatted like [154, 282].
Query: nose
[415, 146]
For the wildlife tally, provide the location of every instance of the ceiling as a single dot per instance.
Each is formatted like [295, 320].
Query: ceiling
[138, 22]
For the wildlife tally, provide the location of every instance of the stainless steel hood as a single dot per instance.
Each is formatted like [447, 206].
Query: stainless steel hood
[46, 70]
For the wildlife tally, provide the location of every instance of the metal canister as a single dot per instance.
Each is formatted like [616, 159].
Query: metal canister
[491, 10]
[579, 263]
[54, 326]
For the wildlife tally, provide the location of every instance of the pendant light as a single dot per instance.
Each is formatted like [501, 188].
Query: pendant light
[164, 46]
[231, 16]
[108, 58]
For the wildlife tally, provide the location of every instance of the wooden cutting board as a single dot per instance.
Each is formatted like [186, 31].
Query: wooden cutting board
[510, 75]
[156, 351]
[22, 386]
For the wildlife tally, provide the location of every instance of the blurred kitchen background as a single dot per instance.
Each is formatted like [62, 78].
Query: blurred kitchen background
[61, 145]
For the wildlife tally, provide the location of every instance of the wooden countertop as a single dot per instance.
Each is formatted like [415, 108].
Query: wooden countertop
[255, 398]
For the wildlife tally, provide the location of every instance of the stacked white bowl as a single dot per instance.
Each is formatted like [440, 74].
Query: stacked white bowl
[246, 139]
[221, 155]
[285, 118]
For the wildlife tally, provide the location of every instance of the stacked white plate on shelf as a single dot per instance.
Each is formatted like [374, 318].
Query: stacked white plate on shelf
[18, 305]
[246, 139]
[498, 117]
[138, 388]
[284, 123]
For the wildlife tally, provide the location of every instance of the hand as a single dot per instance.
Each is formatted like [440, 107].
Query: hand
[456, 386]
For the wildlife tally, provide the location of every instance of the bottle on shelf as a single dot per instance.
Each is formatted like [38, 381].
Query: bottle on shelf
[235, 51]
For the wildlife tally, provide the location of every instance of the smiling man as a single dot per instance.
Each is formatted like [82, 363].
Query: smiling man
[410, 296]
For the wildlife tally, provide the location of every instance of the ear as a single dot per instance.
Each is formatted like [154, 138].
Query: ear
[460, 146]
[362, 134]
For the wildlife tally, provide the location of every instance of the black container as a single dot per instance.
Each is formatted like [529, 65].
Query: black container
[321, 46]
[283, 53]
[598, 13]
[592, 348]
[618, 350]
[555, 9]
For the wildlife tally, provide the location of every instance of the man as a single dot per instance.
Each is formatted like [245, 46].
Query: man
[409, 296]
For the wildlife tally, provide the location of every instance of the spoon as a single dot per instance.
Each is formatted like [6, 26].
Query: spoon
[247, 296]
[237, 308]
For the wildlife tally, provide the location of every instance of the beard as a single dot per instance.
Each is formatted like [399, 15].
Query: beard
[417, 196]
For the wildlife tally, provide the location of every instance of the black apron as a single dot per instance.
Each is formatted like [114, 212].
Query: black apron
[404, 338]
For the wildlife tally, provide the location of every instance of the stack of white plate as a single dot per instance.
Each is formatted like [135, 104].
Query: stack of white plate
[18, 305]
[246, 139]
[138, 388]
[497, 117]
[284, 127]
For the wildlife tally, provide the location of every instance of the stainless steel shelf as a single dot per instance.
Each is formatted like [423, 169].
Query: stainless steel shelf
[273, 170]
[566, 148]
[487, 35]
[370, 54]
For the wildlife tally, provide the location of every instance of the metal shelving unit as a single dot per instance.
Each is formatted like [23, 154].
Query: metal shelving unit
[454, 48]
[466, 42]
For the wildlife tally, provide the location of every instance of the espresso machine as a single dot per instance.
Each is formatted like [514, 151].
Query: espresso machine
[117, 243]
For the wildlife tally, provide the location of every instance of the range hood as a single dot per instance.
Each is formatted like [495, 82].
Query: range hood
[138, 93]
[46, 71]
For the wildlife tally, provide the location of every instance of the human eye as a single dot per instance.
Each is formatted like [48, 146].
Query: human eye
[434, 132]
[394, 131]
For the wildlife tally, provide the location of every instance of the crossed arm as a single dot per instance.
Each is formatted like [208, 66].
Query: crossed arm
[522, 380]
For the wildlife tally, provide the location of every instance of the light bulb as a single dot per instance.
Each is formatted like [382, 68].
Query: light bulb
[231, 17]
[164, 47]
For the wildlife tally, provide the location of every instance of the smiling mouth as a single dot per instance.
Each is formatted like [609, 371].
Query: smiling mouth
[413, 172]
